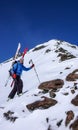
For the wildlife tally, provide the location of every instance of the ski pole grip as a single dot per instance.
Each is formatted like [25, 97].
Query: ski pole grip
[30, 61]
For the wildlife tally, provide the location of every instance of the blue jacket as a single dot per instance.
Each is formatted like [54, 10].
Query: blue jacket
[18, 68]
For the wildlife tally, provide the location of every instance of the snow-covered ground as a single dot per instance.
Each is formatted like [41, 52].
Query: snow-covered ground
[48, 67]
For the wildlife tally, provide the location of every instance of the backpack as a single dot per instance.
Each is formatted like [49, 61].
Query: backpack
[13, 68]
[14, 63]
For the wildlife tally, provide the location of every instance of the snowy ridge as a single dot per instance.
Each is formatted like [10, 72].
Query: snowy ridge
[53, 60]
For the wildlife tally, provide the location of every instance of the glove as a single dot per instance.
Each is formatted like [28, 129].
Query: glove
[14, 76]
[32, 65]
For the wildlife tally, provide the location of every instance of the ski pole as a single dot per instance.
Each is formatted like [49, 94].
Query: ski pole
[12, 83]
[35, 70]
[7, 80]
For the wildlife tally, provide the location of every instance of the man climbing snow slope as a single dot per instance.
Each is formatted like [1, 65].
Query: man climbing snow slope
[16, 72]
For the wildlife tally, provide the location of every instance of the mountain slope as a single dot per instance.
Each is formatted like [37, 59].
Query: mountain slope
[53, 60]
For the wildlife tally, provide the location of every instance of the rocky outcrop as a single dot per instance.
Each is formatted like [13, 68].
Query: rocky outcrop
[75, 101]
[70, 116]
[53, 84]
[10, 116]
[74, 125]
[72, 76]
[44, 104]
[64, 54]
[64, 57]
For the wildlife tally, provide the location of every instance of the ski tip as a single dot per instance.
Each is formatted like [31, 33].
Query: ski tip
[26, 49]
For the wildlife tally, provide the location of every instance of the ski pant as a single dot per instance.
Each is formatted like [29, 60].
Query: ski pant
[18, 86]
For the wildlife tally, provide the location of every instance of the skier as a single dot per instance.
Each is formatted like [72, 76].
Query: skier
[16, 72]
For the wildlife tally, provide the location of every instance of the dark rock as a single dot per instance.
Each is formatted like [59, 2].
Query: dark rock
[72, 91]
[59, 123]
[47, 51]
[52, 94]
[65, 93]
[9, 116]
[70, 116]
[74, 125]
[38, 48]
[53, 84]
[72, 76]
[44, 104]
[49, 127]
[47, 120]
[75, 101]
[67, 68]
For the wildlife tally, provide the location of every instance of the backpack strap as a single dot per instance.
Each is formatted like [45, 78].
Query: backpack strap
[15, 69]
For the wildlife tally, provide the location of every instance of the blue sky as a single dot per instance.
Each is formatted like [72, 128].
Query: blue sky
[32, 22]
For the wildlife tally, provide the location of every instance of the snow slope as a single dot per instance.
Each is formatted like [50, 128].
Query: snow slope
[49, 67]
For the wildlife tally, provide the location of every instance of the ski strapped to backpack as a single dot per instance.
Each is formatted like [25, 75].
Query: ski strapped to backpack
[14, 58]
[17, 51]
[23, 54]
